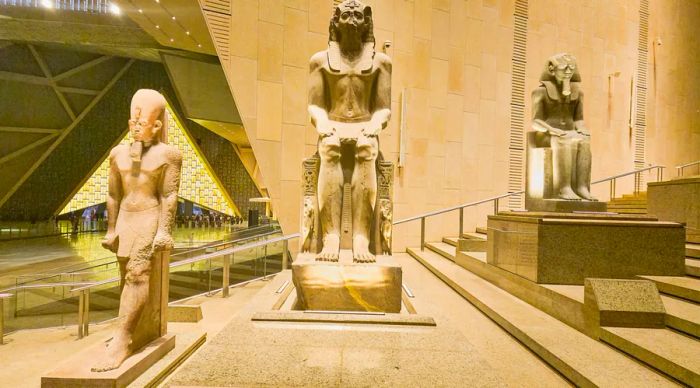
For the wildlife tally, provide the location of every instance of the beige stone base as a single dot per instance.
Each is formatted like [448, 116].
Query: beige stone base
[564, 206]
[75, 372]
[347, 286]
[561, 249]
[677, 200]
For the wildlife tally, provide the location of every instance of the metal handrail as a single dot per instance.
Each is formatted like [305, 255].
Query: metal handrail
[495, 200]
[679, 169]
[84, 291]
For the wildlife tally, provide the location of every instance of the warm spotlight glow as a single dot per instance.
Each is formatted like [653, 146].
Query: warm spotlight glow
[46, 3]
[114, 9]
[187, 32]
[199, 45]
[172, 40]
[173, 17]
[157, 26]
[140, 10]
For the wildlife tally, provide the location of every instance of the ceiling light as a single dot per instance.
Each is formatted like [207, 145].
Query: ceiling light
[157, 26]
[140, 10]
[172, 40]
[187, 32]
[199, 45]
[46, 4]
[173, 17]
[114, 9]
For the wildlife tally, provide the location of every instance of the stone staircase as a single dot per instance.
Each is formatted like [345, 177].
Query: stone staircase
[549, 319]
[629, 204]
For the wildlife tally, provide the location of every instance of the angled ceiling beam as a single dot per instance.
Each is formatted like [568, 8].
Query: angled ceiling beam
[89, 92]
[82, 67]
[52, 83]
[66, 132]
[24, 78]
[29, 130]
[26, 148]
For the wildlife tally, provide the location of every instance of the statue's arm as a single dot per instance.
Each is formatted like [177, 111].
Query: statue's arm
[539, 120]
[578, 117]
[382, 100]
[318, 111]
[114, 198]
[169, 186]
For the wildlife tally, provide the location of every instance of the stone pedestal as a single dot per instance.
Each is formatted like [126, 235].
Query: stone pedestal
[75, 372]
[560, 248]
[563, 206]
[347, 286]
[677, 200]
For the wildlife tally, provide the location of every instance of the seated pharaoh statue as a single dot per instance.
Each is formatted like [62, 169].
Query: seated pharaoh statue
[349, 104]
[559, 150]
[347, 207]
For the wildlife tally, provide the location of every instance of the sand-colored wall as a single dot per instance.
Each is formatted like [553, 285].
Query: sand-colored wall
[454, 59]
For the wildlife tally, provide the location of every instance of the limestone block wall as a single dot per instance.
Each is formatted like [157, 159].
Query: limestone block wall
[453, 60]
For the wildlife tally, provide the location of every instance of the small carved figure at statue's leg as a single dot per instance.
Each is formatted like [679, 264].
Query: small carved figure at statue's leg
[583, 170]
[133, 300]
[364, 196]
[330, 197]
[564, 155]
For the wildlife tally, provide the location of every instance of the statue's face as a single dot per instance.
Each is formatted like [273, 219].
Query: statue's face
[563, 70]
[352, 18]
[144, 124]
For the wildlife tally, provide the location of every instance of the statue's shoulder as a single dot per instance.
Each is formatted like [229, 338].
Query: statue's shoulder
[171, 153]
[539, 92]
[319, 60]
[382, 60]
[118, 150]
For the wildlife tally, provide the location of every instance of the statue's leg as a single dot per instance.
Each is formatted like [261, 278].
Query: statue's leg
[364, 197]
[564, 155]
[330, 197]
[583, 169]
[132, 302]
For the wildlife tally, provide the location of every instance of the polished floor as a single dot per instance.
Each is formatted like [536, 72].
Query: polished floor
[26, 257]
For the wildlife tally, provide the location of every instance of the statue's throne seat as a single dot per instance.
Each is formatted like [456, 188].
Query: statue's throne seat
[381, 227]
[539, 169]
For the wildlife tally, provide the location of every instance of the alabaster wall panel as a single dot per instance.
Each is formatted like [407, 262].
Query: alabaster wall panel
[454, 60]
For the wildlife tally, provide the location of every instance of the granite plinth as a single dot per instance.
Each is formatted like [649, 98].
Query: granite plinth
[566, 249]
[677, 200]
[563, 206]
[75, 372]
[347, 286]
[622, 303]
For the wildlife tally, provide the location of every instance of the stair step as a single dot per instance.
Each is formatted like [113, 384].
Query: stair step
[617, 205]
[567, 350]
[682, 315]
[481, 230]
[628, 211]
[681, 286]
[692, 267]
[692, 250]
[474, 236]
[672, 353]
[445, 250]
[451, 241]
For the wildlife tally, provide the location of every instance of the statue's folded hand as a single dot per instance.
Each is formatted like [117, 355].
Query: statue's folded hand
[162, 242]
[325, 130]
[111, 242]
[372, 129]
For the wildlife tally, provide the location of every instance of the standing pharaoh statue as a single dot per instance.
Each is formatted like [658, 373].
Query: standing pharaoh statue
[349, 104]
[144, 178]
[562, 171]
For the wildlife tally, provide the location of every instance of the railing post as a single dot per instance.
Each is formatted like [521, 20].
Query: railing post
[637, 183]
[422, 234]
[612, 189]
[660, 174]
[81, 303]
[285, 246]
[265, 260]
[2, 317]
[495, 207]
[461, 222]
[86, 313]
[679, 171]
[225, 281]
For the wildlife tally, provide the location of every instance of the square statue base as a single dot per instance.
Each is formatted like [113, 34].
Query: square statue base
[75, 372]
[563, 206]
[566, 248]
[345, 285]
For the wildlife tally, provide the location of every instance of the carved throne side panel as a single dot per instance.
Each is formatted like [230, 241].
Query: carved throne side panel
[539, 168]
[384, 209]
[310, 222]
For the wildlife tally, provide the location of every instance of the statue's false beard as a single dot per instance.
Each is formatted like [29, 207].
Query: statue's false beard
[566, 87]
[135, 152]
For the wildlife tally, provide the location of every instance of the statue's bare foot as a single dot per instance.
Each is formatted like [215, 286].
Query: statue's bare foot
[360, 250]
[117, 352]
[568, 194]
[331, 248]
[585, 194]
